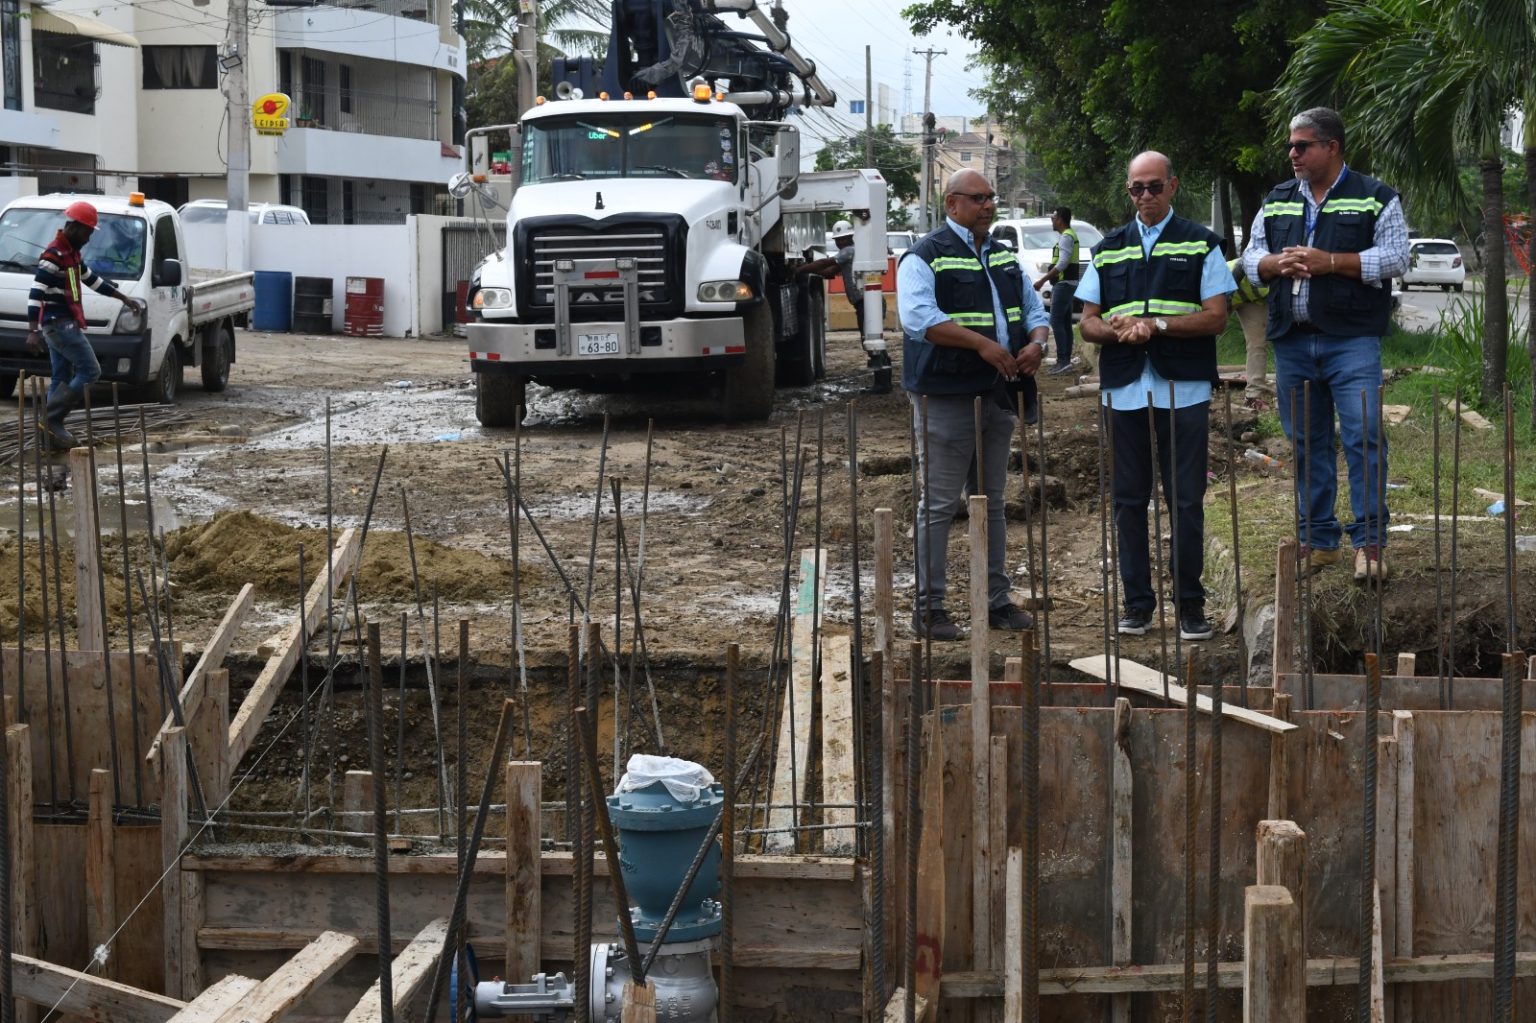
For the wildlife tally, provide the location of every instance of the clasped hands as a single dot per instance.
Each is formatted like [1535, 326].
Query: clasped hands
[1302, 262]
[1131, 330]
[1011, 366]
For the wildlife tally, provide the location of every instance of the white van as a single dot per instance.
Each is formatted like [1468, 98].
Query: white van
[214, 211]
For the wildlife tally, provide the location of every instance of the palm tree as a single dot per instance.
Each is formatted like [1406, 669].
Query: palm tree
[565, 27]
[1421, 83]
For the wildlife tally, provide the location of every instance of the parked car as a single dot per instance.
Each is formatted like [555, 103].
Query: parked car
[212, 211]
[1033, 238]
[1435, 261]
[898, 242]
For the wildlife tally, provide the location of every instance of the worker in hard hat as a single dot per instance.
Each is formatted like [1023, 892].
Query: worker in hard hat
[55, 316]
[841, 262]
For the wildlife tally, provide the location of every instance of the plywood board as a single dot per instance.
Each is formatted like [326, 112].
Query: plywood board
[794, 737]
[838, 779]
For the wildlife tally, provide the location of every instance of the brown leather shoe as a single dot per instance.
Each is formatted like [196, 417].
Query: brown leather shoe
[1371, 564]
[1315, 559]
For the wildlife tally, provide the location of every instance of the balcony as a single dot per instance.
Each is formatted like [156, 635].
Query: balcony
[359, 112]
[359, 31]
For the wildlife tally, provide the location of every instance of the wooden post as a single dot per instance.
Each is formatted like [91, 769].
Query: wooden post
[839, 785]
[1282, 862]
[100, 887]
[356, 800]
[1403, 946]
[981, 744]
[891, 724]
[997, 831]
[1285, 610]
[173, 835]
[1279, 761]
[1275, 969]
[929, 958]
[1120, 855]
[1013, 937]
[1378, 988]
[208, 731]
[524, 786]
[87, 595]
[18, 752]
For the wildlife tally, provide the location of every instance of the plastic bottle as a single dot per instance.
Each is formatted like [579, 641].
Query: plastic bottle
[1258, 457]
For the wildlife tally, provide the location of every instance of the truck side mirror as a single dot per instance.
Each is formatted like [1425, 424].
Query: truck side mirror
[167, 274]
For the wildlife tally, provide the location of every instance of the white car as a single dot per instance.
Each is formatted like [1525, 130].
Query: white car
[211, 211]
[898, 242]
[1435, 261]
[1032, 240]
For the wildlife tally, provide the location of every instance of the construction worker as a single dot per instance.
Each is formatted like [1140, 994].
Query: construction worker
[1155, 296]
[55, 316]
[1062, 276]
[971, 330]
[1248, 302]
[841, 262]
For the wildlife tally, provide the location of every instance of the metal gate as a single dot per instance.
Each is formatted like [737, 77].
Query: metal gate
[464, 246]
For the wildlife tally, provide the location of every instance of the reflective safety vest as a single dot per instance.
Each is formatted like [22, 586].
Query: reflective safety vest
[1247, 291]
[962, 293]
[1164, 282]
[1074, 269]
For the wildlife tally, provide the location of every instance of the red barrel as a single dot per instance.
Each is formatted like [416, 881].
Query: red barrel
[365, 307]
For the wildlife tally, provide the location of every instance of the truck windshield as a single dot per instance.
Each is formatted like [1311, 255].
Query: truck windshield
[116, 249]
[629, 146]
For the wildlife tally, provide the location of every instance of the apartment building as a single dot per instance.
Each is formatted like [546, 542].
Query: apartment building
[130, 96]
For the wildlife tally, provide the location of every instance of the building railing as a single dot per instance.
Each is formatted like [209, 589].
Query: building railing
[416, 10]
[367, 113]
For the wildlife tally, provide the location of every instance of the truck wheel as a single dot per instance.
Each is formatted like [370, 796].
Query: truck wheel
[748, 390]
[216, 361]
[798, 367]
[498, 396]
[166, 384]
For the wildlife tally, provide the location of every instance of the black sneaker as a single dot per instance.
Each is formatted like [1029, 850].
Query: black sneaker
[1135, 623]
[1060, 368]
[1011, 618]
[1194, 625]
[935, 625]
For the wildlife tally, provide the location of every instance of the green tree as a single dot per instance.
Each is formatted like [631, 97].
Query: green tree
[1420, 84]
[896, 161]
[490, 42]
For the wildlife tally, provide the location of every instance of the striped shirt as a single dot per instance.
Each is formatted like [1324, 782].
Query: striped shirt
[55, 291]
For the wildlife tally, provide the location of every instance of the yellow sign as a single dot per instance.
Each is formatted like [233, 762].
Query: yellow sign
[269, 114]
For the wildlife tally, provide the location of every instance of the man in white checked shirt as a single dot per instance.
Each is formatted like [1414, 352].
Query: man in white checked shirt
[1329, 243]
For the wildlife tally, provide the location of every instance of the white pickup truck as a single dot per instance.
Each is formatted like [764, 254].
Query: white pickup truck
[138, 245]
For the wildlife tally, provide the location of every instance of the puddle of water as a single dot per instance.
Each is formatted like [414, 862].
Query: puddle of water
[662, 502]
[404, 416]
[108, 509]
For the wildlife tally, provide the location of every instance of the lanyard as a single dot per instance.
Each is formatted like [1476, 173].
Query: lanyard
[1308, 218]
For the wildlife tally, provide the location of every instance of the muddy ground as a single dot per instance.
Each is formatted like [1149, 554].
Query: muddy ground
[241, 486]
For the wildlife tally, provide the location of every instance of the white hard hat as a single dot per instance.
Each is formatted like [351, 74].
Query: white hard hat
[842, 227]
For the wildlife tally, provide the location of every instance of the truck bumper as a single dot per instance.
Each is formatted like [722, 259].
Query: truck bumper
[123, 357]
[536, 349]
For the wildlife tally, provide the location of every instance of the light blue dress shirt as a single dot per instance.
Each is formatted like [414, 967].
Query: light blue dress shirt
[918, 309]
[1215, 279]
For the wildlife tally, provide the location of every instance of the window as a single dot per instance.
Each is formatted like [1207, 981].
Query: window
[180, 67]
[317, 198]
[64, 72]
[10, 41]
[344, 84]
[965, 156]
[312, 90]
[348, 203]
[165, 244]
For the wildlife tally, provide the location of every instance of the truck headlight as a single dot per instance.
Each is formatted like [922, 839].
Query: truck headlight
[725, 291]
[493, 298]
[129, 321]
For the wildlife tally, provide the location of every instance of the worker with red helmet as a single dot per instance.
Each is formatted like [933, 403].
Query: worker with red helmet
[54, 315]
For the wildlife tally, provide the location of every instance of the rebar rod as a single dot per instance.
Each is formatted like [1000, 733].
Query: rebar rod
[869, 713]
[94, 539]
[573, 825]
[635, 573]
[133, 663]
[1368, 835]
[1175, 551]
[597, 515]
[1044, 626]
[586, 727]
[1304, 578]
[1440, 624]
[1191, 814]
[431, 666]
[816, 585]
[1106, 609]
[173, 698]
[1511, 577]
[1213, 878]
[306, 723]
[1114, 546]
[1237, 555]
[1379, 583]
[461, 711]
[1035, 571]
[914, 823]
[1158, 493]
[1030, 911]
[520, 665]
[58, 605]
[42, 578]
[728, 843]
[7, 885]
[618, 628]
[21, 544]
[405, 638]
[1506, 895]
[375, 712]
[1450, 681]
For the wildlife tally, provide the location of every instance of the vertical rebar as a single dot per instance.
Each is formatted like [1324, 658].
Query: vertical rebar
[728, 843]
[431, 665]
[1440, 626]
[58, 606]
[1506, 895]
[1156, 542]
[1213, 881]
[1171, 492]
[597, 515]
[874, 805]
[400, 727]
[101, 595]
[42, 579]
[914, 824]
[21, 543]
[618, 630]
[1304, 607]
[7, 888]
[1114, 546]
[1030, 694]
[1368, 835]
[375, 711]
[461, 768]
[306, 723]
[1450, 657]
[1106, 609]
[1028, 489]
[1191, 814]
[133, 662]
[1511, 577]
[520, 666]
[1044, 626]
[1237, 556]
[816, 584]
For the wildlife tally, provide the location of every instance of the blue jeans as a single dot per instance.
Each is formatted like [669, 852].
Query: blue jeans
[71, 357]
[1062, 295]
[1326, 375]
[951, 442]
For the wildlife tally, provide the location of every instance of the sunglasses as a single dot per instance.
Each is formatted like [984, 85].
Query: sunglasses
[1155, 187]
[1302, 145]
[979, 198]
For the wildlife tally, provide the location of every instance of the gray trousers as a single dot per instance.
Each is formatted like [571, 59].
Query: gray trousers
[946, 447]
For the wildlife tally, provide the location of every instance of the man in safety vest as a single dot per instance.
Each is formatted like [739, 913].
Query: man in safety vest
[1062, 276]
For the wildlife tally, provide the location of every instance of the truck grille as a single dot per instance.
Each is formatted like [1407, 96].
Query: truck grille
[645, 243]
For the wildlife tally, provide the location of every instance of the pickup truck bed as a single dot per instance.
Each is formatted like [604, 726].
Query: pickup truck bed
[215, 294]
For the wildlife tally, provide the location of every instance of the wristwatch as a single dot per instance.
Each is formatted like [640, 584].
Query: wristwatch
[1161, 325]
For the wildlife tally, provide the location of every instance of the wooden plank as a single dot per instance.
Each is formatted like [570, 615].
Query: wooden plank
[87, 551]
[1378, 990]
[1274, 974]
[214, 769]
[1013, 939]
[524, 914]
[838, 783]
[982, 852]
[1407, 665]
[1403, 850]
[191, 922]
[269, 684]
[997, 831]
[46, 984]
[1281, 861]
[1142, 679]
[491, 864]
[410, 970]
[356, 801]
[1284, 650]
[24, 868]
[316, 963]
[1121, 855]
[1279, 762]
[173, 836]
[100, 882]
[929, 959]
[213, 656]
[1468, 415]
[789, 771]
[215, 1001]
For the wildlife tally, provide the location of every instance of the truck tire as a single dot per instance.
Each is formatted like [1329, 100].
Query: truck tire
[166, 384]
[748, 390]
[806, 352]
[498, 396]
[216, 360]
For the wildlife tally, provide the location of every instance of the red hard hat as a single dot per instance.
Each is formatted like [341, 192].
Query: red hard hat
[81, 213]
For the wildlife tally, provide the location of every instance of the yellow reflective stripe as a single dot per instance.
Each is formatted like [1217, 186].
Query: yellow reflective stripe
[1001, 259]
[970, 319]
[1165, 305]
[1124, 308]
[943, 263]
[1351, 206]
[73, 276]
[1108, 256]
[1015, 314]
[1284, 209]
[1179, 249]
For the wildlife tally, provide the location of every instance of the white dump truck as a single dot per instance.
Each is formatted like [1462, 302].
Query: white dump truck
[658, 225]
[189, 317]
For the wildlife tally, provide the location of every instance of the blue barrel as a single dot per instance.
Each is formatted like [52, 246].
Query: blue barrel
[274, 301]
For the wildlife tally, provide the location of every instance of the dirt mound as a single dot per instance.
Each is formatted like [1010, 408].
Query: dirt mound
[241, 547]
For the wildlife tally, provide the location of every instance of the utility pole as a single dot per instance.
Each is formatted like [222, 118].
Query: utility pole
[527, 55]
[869, 109]
[928, 123]
[237, 99]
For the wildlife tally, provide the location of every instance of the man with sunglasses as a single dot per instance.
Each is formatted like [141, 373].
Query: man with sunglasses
[1155, 298]
[1329, 241]
[972, 327]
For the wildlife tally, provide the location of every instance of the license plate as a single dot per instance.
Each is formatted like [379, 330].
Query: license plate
[597, 344]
